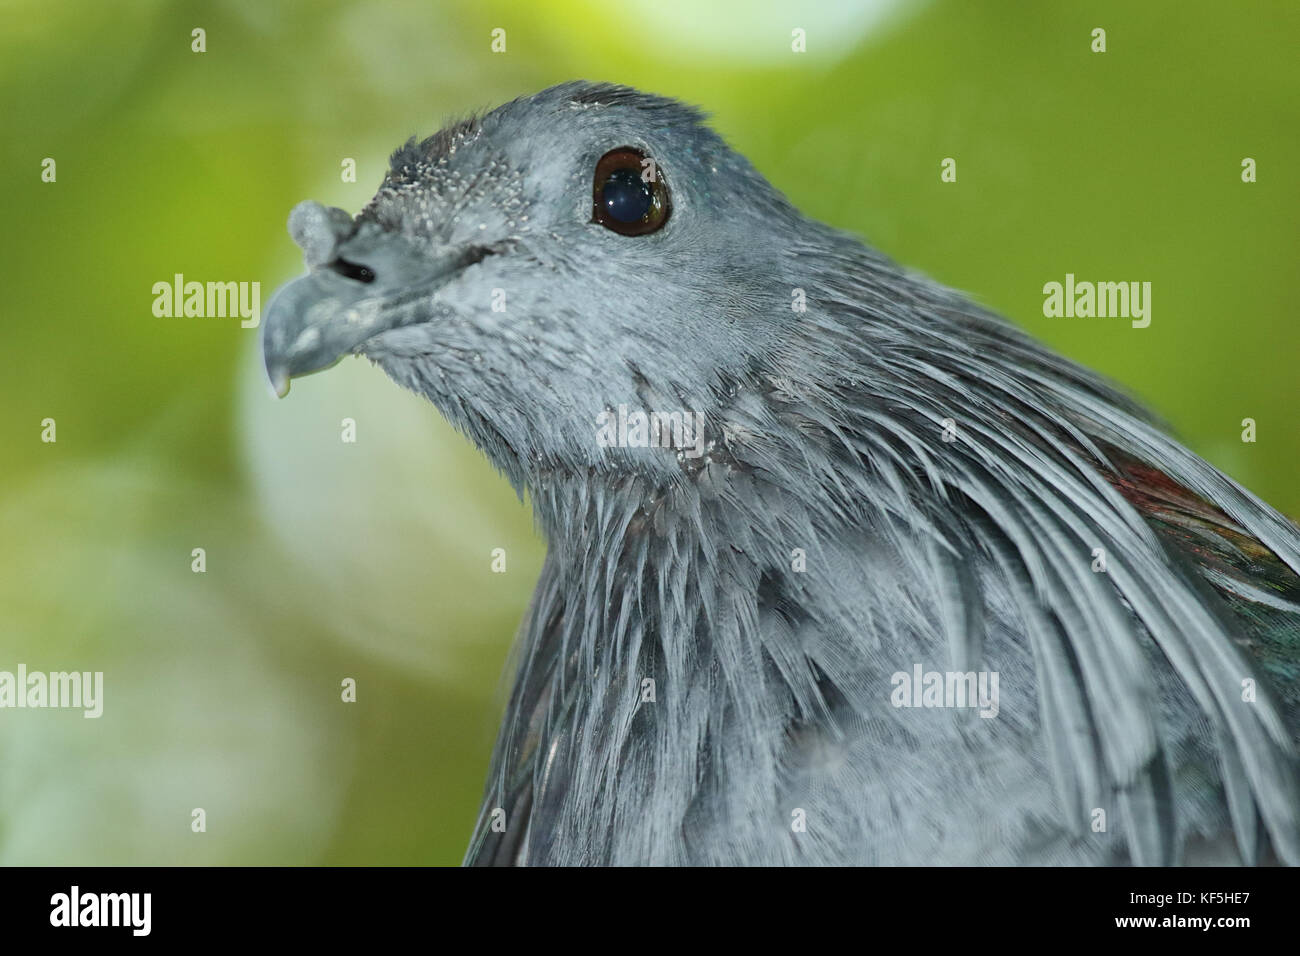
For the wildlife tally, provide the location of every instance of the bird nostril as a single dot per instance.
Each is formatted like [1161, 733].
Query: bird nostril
[352, 270]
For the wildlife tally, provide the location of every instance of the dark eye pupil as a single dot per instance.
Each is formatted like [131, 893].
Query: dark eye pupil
[626, 195]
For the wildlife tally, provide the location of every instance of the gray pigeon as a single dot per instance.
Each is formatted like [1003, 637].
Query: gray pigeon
[842, 568]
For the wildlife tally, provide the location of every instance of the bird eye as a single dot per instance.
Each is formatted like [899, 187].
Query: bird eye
[629, 195]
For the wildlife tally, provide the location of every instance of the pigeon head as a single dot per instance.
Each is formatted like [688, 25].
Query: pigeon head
[539, 267]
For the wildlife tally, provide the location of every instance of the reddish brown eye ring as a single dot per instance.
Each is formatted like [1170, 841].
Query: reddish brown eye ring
[628, 193]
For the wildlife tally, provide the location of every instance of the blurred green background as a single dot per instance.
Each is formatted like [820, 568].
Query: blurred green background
[371, 560]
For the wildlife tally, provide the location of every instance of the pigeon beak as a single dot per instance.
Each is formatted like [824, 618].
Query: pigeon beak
[315, 320]
[357, 275]
[310, 324]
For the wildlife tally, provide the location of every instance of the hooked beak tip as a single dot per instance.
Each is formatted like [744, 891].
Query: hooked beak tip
[279, 380]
